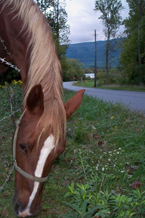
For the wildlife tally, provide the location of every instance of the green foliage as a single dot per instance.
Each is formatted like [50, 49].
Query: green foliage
[80, 131]
[132, 57]
[129, 62]
[89, 201]
[74, 70]
[89, 70]
[16, 96]
[96, 168]
[90, 84]
[9, 76]
[114, 77]
[104, 168]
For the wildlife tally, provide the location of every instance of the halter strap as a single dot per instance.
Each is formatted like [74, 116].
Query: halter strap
[22, 172]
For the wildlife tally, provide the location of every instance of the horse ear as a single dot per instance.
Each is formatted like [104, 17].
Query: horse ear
[35, 99]
[73, 104]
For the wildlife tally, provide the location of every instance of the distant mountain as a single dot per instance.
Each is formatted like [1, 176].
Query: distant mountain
[85, 52]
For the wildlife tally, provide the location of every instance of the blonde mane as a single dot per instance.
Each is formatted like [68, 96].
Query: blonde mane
[44, 65]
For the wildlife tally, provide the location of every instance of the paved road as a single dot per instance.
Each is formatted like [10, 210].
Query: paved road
[133, 100]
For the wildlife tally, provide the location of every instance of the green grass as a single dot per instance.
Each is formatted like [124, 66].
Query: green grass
[90, 84]
[103, 141]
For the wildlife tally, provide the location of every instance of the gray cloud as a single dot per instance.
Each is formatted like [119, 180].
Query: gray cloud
[83, 20]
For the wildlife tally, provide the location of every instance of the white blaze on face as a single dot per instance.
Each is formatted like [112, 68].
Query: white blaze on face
[45, 151]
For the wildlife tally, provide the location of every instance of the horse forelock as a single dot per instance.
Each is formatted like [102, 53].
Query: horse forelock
[44, 66]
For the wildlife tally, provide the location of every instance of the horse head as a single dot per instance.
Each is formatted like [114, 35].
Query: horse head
[36, 151]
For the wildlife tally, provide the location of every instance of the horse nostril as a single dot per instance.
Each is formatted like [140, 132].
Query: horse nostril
[17, 208]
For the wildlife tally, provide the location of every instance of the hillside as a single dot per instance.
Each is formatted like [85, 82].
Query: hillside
[85, 52]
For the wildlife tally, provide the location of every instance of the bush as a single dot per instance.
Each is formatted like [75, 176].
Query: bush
[9, 76]
[74, 70]
[114, 77]
[86, 202]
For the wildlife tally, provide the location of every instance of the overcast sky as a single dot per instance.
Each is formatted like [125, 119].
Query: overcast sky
[83, 20]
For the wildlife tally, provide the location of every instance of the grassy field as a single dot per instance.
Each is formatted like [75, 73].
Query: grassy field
[90, 84]
[101, 173]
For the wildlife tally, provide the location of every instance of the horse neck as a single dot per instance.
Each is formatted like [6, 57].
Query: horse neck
[14, 40]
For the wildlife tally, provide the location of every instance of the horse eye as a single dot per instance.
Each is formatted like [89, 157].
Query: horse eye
[23, 147]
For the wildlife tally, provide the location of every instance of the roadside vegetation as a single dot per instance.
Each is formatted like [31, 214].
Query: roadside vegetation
[90, 84]
[101, 173]
[116, 81]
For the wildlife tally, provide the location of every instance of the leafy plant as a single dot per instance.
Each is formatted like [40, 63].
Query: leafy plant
[88, 202]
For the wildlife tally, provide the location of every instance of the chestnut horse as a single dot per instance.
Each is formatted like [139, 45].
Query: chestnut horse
[26, 39]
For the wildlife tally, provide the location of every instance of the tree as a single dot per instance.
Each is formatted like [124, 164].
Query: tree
[110, 15]
[132, 57]
[57, 18]
[74, 70]
[44, 4]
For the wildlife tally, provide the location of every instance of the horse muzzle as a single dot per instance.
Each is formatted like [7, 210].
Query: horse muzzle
[24, 212]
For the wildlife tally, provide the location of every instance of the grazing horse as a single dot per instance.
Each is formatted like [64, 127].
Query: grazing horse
[26, 39]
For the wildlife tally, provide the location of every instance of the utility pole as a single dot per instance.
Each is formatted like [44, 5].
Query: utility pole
[139, 49]
[95, 72]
